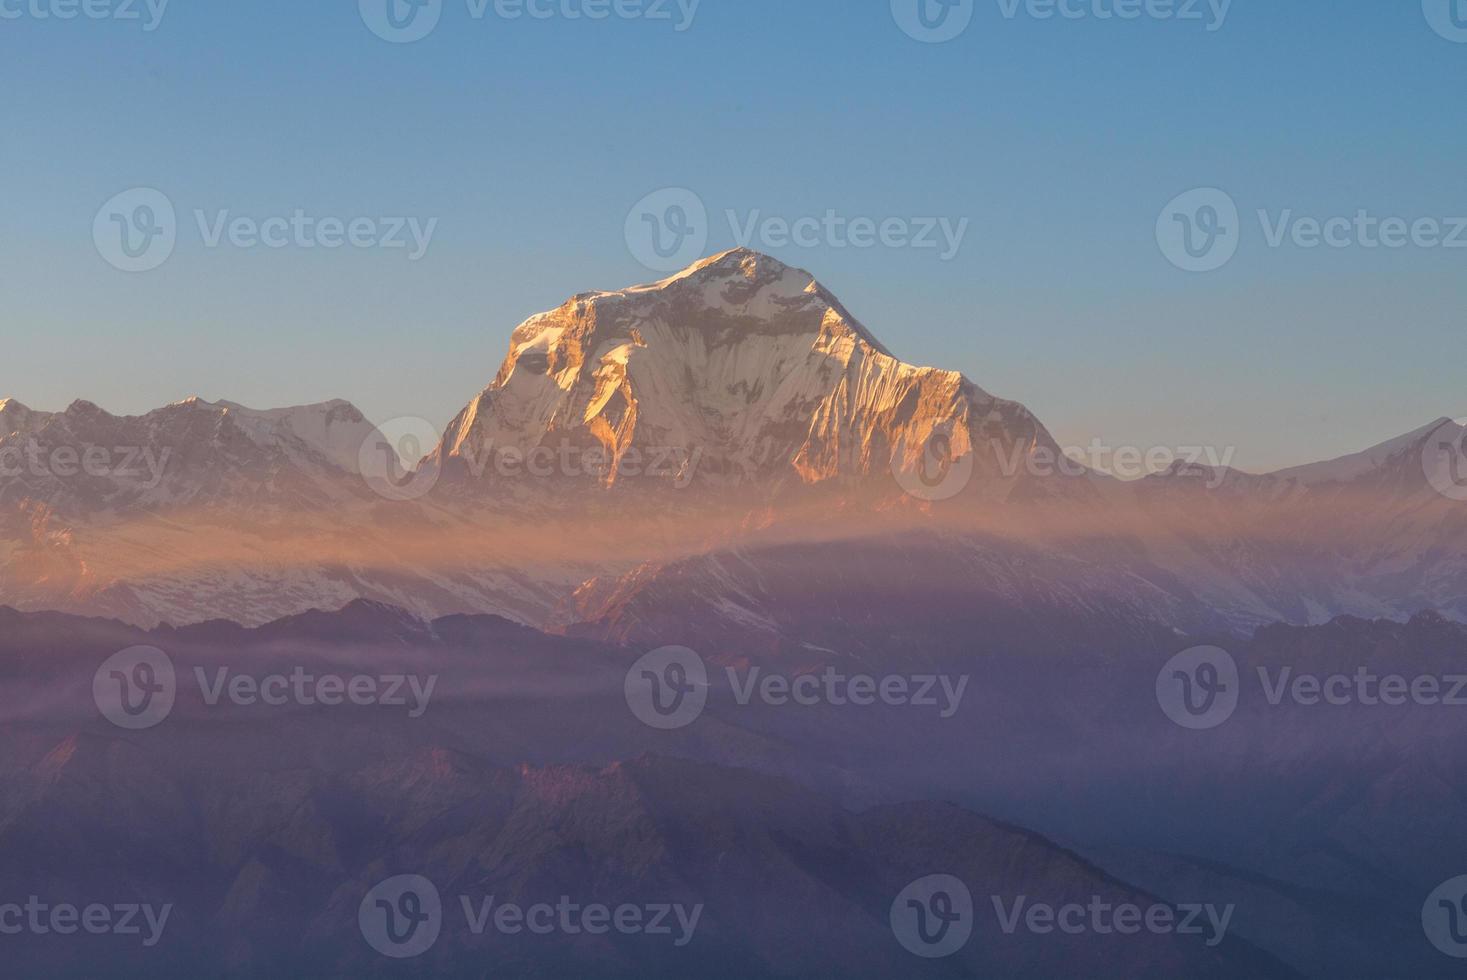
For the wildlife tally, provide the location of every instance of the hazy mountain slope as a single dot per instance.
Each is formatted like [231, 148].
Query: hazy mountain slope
[267, 865]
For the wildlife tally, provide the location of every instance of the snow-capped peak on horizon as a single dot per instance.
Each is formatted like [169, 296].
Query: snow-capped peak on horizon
[747, 362]
[336, 428]
[188, 453]
[742, 256]
[79, 405]
[1343, 469]
[747, 282]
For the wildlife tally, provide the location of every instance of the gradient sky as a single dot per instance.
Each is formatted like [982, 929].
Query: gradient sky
[1060, 141]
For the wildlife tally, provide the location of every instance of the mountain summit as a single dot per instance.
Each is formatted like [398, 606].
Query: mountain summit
[741, 367]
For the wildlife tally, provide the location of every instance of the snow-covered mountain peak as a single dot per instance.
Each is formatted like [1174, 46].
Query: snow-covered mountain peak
[189, 453]
[745, 283]
[747, 366]
[335, 428]
[1404, 448]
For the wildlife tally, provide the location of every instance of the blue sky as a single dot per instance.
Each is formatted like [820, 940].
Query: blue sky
[1060, 141]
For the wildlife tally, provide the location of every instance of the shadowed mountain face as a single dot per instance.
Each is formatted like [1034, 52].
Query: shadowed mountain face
[266, 870]
[1318, 828]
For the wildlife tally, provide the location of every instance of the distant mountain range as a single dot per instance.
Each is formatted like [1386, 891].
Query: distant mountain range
[638, 447]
